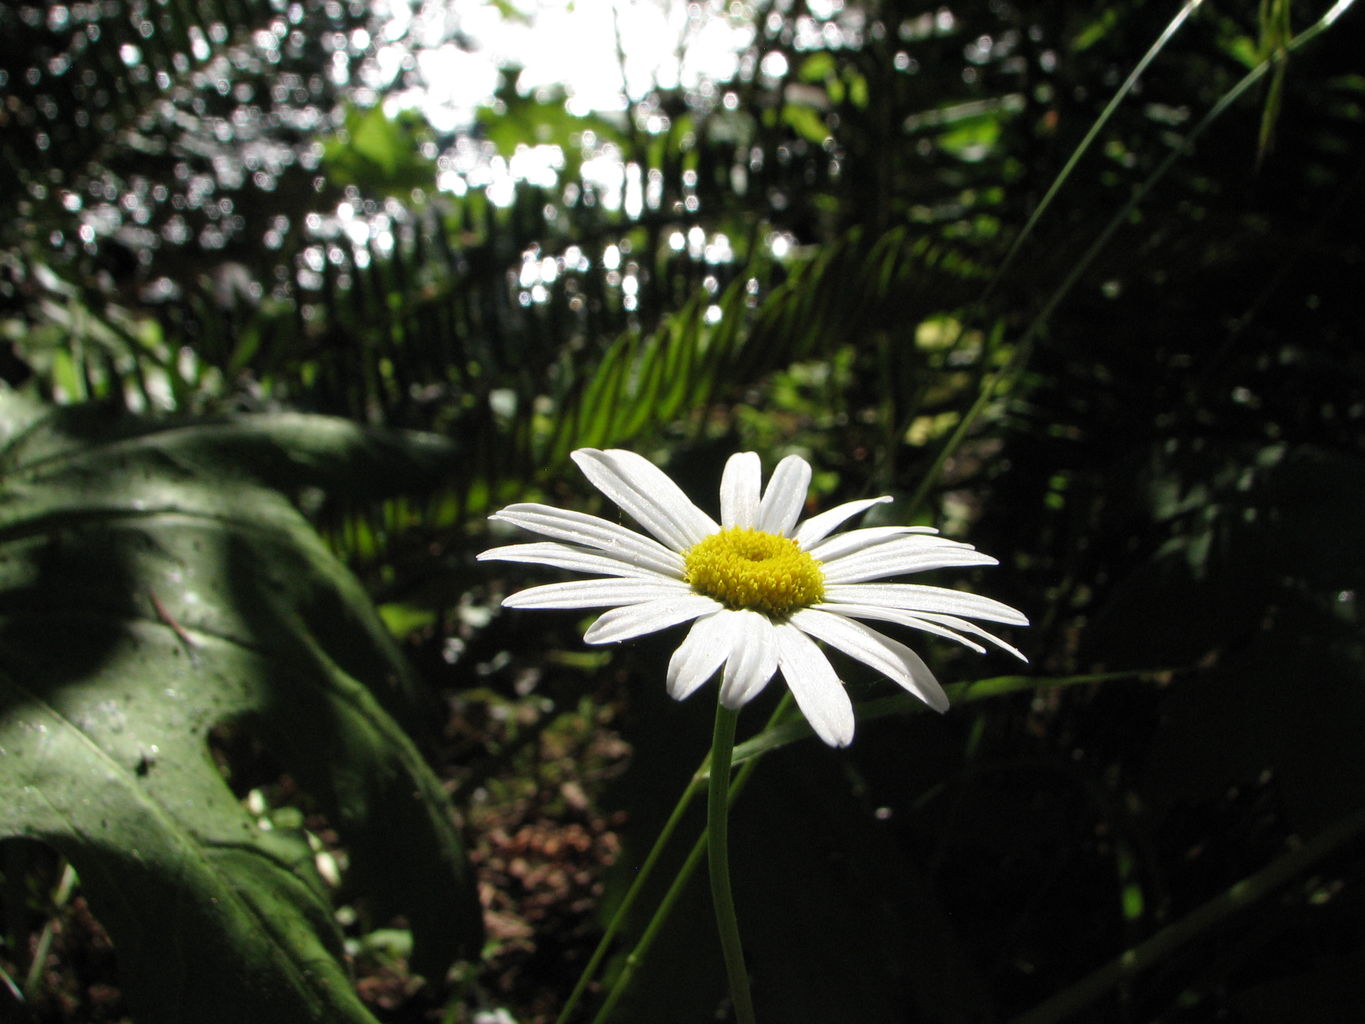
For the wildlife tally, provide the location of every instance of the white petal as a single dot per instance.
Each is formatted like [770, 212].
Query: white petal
[841, 545]
[739, 486]
[648, 617]
[900, 618]
[916, 597]
[594, 594]
[785, 497]
[812, 681]
[928, 622]
[817, 528]
[595, 532]
[890, 657]
[973, 629]
[752, 661]
[567, 556]
[902, 555]
[645, 492]
[707, 645]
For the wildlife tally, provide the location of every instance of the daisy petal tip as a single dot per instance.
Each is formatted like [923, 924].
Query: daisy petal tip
[585, 458]
[521, 599]
[837, 737]
[603, 631]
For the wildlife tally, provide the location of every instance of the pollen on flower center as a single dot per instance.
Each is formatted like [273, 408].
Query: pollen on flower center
[744, 568]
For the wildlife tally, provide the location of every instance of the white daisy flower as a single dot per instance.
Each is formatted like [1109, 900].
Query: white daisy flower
[759, 588]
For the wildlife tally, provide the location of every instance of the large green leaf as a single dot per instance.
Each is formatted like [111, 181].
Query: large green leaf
[154, 585]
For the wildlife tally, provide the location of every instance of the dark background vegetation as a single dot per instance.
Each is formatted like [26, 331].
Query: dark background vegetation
[1148, 403]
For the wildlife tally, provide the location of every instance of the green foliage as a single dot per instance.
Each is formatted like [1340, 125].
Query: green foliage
[380, 154]
[1271, 537]
[515, 120]
[1107, 331]
[184, 131]
[155, 586]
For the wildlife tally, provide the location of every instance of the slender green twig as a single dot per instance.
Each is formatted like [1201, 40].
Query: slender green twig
[1084, 145]
[636, 956]
[1250, 890]
[636, 886]
[11, 985]
[776, 736]
[60, 896]
[991, 386]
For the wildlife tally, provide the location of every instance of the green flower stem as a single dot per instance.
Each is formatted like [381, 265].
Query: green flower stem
[746, 755]
[718, 861]
[636, 957]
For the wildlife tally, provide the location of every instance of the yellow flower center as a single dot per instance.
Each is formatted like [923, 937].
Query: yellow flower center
[744, 568]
